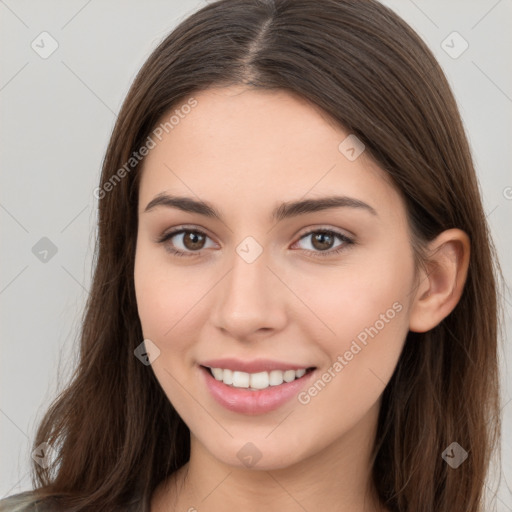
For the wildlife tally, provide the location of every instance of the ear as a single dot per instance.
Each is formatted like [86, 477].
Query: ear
[440, 287]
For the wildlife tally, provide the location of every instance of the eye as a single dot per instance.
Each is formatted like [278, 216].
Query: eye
[191, 241]
[322, 241]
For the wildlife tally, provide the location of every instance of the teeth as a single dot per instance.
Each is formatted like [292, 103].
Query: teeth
[289, 375]
[259, 380]
[255, 381]
[299, 373]
[217, 373]
[241, 380]
[226, 376]
[276, 377]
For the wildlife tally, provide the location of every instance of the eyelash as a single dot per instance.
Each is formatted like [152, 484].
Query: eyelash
[321, 254]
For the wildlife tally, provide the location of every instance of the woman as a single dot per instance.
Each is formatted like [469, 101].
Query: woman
[294, 304]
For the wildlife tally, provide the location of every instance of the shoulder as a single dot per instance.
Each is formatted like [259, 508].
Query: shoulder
[23, 502]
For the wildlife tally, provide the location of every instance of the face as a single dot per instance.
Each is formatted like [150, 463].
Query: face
[263, 291]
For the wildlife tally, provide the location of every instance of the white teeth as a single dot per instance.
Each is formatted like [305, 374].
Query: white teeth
[289, 375]
[227, 376]
[254, 381]
[217, 373]
[240, 380]
[276, 377]
[259, 380]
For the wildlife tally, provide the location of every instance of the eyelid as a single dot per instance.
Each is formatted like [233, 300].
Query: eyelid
[300, 234]
[182, 227]
[347, 239]
[326, 227]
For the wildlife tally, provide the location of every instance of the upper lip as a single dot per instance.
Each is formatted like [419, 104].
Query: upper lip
[254, 366]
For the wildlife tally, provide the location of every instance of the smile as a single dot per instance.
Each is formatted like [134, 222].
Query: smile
[256, 381]
[256, 387]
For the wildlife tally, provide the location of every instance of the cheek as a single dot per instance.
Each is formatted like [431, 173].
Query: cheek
[164, 303]
[360, 360]
[163, 294]
[352, 297]
[361, 325]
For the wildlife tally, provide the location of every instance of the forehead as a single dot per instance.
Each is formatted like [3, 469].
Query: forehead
[253, 148]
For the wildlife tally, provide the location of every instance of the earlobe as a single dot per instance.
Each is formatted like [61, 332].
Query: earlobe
[441, 284]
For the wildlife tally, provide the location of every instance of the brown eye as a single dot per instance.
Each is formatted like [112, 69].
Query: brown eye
[193, 240]
[184, 242]
[323, 242]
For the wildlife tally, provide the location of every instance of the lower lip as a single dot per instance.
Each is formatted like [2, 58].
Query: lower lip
[250, 402]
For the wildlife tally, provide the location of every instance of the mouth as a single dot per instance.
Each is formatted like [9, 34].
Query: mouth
[257, 392]
[256, 381]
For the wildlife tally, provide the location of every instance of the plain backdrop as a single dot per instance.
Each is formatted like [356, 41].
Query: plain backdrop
[58, 112]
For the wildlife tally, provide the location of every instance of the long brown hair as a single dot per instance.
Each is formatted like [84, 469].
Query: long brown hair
[115, 432]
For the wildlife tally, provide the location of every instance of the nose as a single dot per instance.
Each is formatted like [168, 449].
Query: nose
[250, 301]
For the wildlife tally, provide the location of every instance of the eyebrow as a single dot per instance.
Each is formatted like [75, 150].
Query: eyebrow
[283, 211]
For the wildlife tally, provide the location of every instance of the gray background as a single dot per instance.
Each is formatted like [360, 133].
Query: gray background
[58, 114]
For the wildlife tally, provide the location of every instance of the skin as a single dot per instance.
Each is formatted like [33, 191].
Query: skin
[245, 152]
